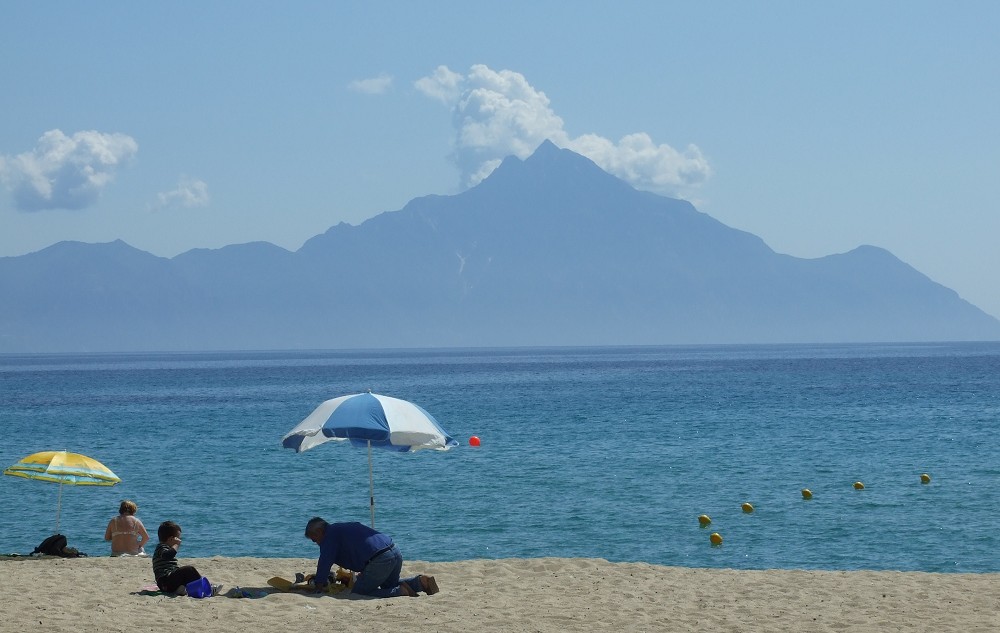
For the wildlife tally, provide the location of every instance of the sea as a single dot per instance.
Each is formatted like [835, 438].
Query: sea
[598, 452]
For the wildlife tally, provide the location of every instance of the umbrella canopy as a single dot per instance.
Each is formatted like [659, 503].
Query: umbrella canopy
[369, 420]
[62, 467]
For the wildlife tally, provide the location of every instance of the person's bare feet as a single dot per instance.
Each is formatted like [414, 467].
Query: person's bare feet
[429, 585]
[406, 590]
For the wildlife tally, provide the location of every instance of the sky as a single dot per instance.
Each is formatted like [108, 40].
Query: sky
[818, 127]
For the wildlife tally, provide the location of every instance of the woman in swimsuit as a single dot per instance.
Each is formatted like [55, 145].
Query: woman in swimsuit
[126, 532]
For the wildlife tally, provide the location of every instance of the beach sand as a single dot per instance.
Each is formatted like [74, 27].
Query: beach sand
[544, 595]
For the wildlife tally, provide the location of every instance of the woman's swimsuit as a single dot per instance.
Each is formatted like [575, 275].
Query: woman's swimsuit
[116, 532]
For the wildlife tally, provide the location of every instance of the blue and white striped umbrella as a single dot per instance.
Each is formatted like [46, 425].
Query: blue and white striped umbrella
[369, 420]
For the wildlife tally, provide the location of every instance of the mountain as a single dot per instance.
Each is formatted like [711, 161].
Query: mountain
[550, 250]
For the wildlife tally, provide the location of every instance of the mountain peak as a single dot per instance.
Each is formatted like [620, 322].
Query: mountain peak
[550, 153]
[546, 148]
[551, 167]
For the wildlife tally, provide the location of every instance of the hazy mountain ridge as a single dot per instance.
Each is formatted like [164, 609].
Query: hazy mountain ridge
[546, 251]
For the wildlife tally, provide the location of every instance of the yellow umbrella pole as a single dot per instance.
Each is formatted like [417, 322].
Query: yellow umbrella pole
[58, 508]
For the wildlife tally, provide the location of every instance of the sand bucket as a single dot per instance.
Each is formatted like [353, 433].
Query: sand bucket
[200, 588]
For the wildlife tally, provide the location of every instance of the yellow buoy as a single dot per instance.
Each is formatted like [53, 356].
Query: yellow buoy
[747, 508]
[925, 478]
[858, 485]
[715, 538]
[704, 520]
[807, 494]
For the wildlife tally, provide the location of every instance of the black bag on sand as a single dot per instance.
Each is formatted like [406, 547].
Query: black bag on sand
[55, 545]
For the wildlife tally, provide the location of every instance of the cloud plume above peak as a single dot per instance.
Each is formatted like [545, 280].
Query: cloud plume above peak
[498, 113]
[66, 172]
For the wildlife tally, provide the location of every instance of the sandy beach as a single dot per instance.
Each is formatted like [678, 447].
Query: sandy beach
[543, 595]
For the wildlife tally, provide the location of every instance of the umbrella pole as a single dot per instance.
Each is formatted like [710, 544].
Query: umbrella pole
[58, 507]
[371, 485]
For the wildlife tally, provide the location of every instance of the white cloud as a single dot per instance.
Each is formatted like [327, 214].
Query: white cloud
[639, 161]
[444, 85]
[498, 114]
[65, 172]
[373, 86]
[189, 192]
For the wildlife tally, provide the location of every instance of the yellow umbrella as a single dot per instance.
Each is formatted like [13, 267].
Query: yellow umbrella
[61, 467]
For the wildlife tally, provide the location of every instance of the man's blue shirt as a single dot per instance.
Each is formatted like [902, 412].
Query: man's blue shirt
[349, 545]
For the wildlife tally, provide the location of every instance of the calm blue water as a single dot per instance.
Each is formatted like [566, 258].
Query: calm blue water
[596, 452]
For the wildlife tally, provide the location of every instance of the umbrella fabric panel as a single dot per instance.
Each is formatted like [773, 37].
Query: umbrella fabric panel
[309, 432]
[361, 419]
[63, 468]
[413, 428]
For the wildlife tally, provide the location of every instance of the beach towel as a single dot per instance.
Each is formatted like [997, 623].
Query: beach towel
[149, 590]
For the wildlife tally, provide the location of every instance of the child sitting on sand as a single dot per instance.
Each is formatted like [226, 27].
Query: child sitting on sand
[171, 577]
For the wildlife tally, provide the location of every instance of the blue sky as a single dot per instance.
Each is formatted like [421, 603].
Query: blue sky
[817, 126]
